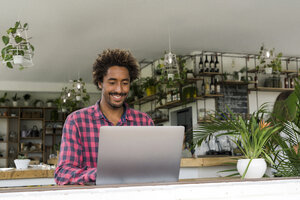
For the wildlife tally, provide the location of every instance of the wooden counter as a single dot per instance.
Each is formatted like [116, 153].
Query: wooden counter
[28, 173]
[185, 163]
[218, 189]
[208, 161]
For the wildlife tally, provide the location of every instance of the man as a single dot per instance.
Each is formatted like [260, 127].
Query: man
[113, 72]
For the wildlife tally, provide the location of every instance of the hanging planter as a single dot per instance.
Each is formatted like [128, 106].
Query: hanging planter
[268, 70]
[18, 59]
[17, 50]
[268, 61]
[78, 98]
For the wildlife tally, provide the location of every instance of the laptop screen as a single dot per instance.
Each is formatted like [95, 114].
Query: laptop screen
[139, 154]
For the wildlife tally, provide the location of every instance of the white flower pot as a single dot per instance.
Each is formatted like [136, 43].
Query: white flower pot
[171, 76]
[18, 59]
[268, 70]
[26, 103]
[15, 103]
[21, 163]
[49, 104]
[257, 167]
[189, 75]
[63, 110]
[78, 98]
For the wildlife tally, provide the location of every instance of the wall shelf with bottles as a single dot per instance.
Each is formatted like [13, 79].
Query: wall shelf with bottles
[235, 82]
[145, 99]
[271, 89]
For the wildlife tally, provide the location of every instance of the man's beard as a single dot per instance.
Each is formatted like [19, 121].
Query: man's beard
[113, 105]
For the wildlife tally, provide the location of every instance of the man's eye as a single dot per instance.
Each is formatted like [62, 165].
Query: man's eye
[125, 83]
[111, 83]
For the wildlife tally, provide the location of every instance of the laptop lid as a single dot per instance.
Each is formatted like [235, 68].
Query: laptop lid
[139, 154]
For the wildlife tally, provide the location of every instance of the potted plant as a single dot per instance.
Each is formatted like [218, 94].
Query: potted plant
[17, 47]
[49, 102]
[269, 61]
[250, 136]
[3, 99]
[136, 91]
[38, 103]
[285, 146]
[15, 100]
[149, 85]
[22, 162]
[26, 97]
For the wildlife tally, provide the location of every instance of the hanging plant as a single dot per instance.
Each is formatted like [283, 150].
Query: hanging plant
[69, 100]
[17, 51]
[268, 59]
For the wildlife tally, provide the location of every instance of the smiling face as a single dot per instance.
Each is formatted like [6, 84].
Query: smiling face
[115, 87]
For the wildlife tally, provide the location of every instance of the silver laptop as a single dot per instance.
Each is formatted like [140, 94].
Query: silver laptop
[139, 154]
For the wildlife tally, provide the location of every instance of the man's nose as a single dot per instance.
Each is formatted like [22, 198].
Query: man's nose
[118, 88]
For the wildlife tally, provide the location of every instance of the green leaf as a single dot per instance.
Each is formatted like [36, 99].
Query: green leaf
[32, 47]
[18, 39]
[9, 65]
[17, 24]
[5, 39]
[25, 25]
[13, 30]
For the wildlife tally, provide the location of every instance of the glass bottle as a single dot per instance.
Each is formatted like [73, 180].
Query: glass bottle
[201, 67]
[206, 64]
[211, 64]
[217, 65]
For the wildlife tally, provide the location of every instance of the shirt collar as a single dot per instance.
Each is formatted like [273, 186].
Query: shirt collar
[98, 113]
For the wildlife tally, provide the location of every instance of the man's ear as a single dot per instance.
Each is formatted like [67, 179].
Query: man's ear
[100, 85]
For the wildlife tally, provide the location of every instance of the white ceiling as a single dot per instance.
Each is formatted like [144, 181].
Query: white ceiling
[68, 34]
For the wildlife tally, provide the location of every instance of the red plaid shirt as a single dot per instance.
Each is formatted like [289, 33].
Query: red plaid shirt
[79, 146]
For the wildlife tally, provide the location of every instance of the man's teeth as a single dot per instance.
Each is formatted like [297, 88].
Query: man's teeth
[117, 96]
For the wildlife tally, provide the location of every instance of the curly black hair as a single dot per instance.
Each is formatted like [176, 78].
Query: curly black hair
[115, 57]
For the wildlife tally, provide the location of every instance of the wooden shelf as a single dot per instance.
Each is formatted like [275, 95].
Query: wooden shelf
[157, 121]
[28, 116]
[289, 72]
[9, 117]
[30, 138]
[24, 152]
[4, 158]
[209, 96]
[54, 128]
[233, 82]
[54, 121]
[269, 89]
[252, 71]
[144, 99]
[209, 74]
[171, 104]
[50, 108]
[31, 118]
[3, 142]
[193, 80]
[30, 107]
[282, 71]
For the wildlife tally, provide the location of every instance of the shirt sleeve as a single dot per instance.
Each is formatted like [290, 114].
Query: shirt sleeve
[70, 169]
[150, 121]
